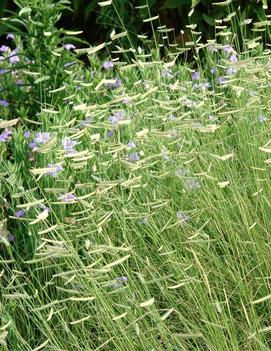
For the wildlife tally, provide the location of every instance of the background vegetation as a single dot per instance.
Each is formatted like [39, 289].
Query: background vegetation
[97, 22]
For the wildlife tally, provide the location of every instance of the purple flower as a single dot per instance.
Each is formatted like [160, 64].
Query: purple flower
[212, 49]
[4, 48]
[10, 36]
[228, 49]
[108, 65]
[231, 71]
[195, 75]
[14, 58]
[116, 84]
[69, 46]
[262, 118]
[109, 134]
[20, 214]
[133, 157]
[2, 58]
[131, 144]
[5, 135]
[55, 170]
[69, 144]
[116, 117]
[222, 80]
[67, 197]
[4, 103]
[42, 137]
[233, 58]
[33, 146]
[122, 279]
[27, 134]
[182, 217]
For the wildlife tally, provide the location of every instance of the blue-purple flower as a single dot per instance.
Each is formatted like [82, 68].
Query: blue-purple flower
[14, 58]
[117, 83]
[222, 80]
[69, 47]
[108, 65]
[228, 49]
[20, 214]
[133, 157]
[4, 48]
[116, 117]
[55, 169]
[10, 36]
[4, 103]
[42, 137]
[69, 144]
[195, 75]
[131, 144]
[67, 197]
[5, 135]
[27, 134]
[233, 58]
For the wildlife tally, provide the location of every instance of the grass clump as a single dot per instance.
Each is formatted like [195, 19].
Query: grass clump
[135, 200]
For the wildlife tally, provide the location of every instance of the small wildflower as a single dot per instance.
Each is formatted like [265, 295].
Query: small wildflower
[5, 135]
[195, 75]
[182, 217]
[122, 279]
[228, 49]
[4, 103]
[108, 65]
[20, 214]
[42, 137]
[131, 144]
[262, 118]
[69, 47]
[233, 58]
[69, 144]
[212, 49]
[222, 80]
[116, 117]
[67, 197]
[4, 48]
[116, 84]
[133, 157]
[27, 134]
[56, 169]
[10, 36]
[14, 58]
[231, 71]
[109, 134]
[33, 146]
